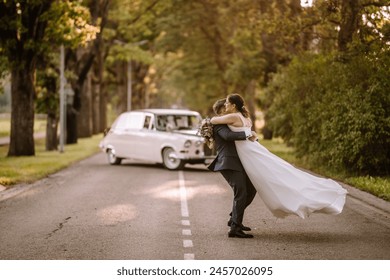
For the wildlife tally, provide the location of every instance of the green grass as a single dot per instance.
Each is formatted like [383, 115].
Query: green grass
[28, 169]
[5, 125]
[378, 186]
[277, 147]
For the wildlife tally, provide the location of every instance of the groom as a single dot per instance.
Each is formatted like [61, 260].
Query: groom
[228, 163]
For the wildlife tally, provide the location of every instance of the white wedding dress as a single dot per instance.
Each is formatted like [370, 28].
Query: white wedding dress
[285, 189]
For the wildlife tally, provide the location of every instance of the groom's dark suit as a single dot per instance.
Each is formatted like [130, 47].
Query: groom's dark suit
[229, 164]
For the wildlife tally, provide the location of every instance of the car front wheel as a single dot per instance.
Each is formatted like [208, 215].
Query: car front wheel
[171, 160]
[112, 158]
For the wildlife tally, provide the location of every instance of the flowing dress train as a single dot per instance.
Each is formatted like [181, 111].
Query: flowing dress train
[284, 188]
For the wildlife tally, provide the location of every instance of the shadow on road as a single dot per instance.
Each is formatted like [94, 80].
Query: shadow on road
[307, 237]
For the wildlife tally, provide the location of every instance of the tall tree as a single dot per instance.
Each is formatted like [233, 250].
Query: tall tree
[86, 84]
[22, 27]
[349, 23]
[354, 18]
[29, 31]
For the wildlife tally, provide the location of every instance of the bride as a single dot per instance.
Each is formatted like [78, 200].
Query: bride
[284, 189]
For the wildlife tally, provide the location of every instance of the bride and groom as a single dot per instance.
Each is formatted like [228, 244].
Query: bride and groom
[250, 168]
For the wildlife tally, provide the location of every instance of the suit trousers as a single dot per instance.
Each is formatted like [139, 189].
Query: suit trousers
[243, 190]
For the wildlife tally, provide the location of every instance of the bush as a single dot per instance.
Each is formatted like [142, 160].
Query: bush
[335, 112]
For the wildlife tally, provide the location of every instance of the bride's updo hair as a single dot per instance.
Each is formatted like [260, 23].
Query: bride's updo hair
[237, 100]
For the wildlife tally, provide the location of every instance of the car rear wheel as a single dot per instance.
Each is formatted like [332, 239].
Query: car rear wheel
[171, 160]
[112, 158]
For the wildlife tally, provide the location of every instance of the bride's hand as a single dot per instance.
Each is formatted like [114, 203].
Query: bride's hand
[254, 137]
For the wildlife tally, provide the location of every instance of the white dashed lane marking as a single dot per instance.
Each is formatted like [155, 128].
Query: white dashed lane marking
[187, 243]
[189, 256]
[186, 231]
[183, 196]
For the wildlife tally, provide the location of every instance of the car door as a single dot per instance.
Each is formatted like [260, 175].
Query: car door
[143, 139]
[128, 130]
[116, 138]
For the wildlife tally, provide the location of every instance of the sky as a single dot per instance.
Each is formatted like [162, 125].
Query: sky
[306, 3]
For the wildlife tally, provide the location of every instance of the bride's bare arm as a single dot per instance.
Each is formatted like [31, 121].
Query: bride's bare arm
[225, 119]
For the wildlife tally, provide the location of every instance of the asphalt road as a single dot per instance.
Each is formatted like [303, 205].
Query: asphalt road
[142, 211]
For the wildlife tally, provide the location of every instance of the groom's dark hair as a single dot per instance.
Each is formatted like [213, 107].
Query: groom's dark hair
[219, 105]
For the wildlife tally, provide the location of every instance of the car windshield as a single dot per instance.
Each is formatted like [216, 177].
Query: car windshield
[177, 122]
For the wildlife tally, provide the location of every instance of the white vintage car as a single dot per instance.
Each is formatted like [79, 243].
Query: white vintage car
[167, 136]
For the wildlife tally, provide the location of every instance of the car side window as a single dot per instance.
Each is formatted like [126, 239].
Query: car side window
[161, 123]
[147, 122]
[183, 122]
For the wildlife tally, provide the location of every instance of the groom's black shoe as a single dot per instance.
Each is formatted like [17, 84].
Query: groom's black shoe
[244, 228]
[236, 232]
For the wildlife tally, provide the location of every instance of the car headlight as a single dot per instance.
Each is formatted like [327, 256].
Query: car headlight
[187, 144]
[198, 143]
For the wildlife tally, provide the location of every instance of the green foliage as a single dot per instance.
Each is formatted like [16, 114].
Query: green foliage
[68, 24]
[130, 35]
[21, 29]
[192, 42]
[336, 113]
[36, 26]
[129, 52]
[3, 69]
[220, 47]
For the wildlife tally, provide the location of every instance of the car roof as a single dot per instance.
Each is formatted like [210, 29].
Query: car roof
[168, 111]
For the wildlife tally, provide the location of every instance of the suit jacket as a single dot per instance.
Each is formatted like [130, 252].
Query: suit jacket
[227, 157]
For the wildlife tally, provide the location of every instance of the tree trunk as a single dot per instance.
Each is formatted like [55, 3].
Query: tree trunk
[121, 70]
[96, 114]
[22, 29]
[96, 81]
[51, 131]
[52, 107]
[72, 109]
[79, 118]
[71, 125]
[138, 85]
[83, 61]
[84, 125]
[103, 108]
[349, 23]
[99, 112]
[22, 115]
